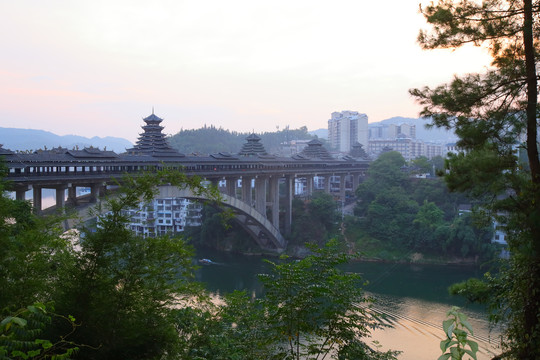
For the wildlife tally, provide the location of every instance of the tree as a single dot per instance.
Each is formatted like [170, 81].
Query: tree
[427, 220]
[314, 221]
[124, 288]
[314, 310]
[492, 113]
[390, 216]
[422, 165]
[33, 253]
[383, 174]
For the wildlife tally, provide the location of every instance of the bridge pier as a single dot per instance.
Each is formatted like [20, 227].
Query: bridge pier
[94, 192]
[355, 182]
[246, 190]
[72, 194]
[20, 192]
[289, 193]
[36, 196]
[274, 199]
[342, 186]
[327, 179]
[60, 197]
[309, 185]
[231, 186]
[260, 194]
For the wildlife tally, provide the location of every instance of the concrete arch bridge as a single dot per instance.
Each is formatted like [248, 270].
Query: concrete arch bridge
[263, 232]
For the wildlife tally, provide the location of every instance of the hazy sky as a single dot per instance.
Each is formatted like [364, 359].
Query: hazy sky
[98, 67]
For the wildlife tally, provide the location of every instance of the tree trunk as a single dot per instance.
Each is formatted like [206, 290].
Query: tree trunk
[532, 92]
[532, 302]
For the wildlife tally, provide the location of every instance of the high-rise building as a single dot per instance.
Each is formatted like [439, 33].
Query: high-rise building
[345, 128]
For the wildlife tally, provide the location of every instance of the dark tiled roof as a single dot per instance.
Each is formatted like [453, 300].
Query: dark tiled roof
[224, 156]
[314, 150]
[252, 147]
[5, 151]
[152, 141]
[92, 153]
[357, 151]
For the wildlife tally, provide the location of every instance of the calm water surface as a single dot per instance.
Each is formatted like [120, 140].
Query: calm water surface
[414, 298]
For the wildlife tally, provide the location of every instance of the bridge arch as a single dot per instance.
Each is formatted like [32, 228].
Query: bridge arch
[265, 234]
[256, 224]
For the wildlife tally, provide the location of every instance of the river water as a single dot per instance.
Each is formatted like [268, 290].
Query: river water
[414, 298]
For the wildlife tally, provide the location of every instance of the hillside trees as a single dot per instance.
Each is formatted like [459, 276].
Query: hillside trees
[493, 113]
[314, 221]
[416, 215]
[210, 140]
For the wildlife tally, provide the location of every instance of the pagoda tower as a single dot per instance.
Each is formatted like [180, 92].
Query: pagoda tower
[358, 152]
[253, 147]
[152, 141]
[315, 150]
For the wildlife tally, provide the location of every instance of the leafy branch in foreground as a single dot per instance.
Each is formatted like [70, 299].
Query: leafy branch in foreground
[20, 335]
[315, 310]
[457, 329]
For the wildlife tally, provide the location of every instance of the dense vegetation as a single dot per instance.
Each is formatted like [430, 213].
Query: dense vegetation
[106, 293]
[495, 113]
[401, 214]
[211, 140]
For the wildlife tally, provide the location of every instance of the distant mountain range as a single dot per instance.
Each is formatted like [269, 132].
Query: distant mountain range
[29, 139]
[434, 134]
[320, 133]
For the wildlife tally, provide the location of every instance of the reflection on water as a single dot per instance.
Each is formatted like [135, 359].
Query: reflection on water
[417, 327]
[414, 299]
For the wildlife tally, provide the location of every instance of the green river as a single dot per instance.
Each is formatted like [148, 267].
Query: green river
[414, 298]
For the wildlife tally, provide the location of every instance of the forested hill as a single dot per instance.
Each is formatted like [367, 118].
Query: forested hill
[209, 140]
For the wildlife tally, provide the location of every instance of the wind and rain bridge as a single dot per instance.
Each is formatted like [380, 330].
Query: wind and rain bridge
[255, 185]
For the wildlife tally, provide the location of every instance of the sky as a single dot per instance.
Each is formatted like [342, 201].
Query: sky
[97, 68]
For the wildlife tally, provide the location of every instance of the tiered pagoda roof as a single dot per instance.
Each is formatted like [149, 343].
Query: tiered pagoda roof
[253, 147]
[357, 151]
[314, 150]
[152, 141]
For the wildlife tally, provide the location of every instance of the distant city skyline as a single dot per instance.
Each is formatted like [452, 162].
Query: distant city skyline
[98, 68]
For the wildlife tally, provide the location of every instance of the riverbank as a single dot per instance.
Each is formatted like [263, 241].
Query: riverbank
[413, 295]
[300, 252]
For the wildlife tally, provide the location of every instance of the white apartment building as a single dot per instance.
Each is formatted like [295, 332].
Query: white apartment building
[164, 216]
[347, 127]
[401, 138]
[409, 148]
[391, 131]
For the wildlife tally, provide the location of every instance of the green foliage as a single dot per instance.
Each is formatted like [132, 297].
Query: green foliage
[309, 309]
[473, 289]
[314, 221]
[493, 114]
[383, 174]
[418, 215]
[237, 329]
[123, 288]
[33, 253]
[457, 329]
[21, 332]
[315, 310]
[422, 165]
[210, 140]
